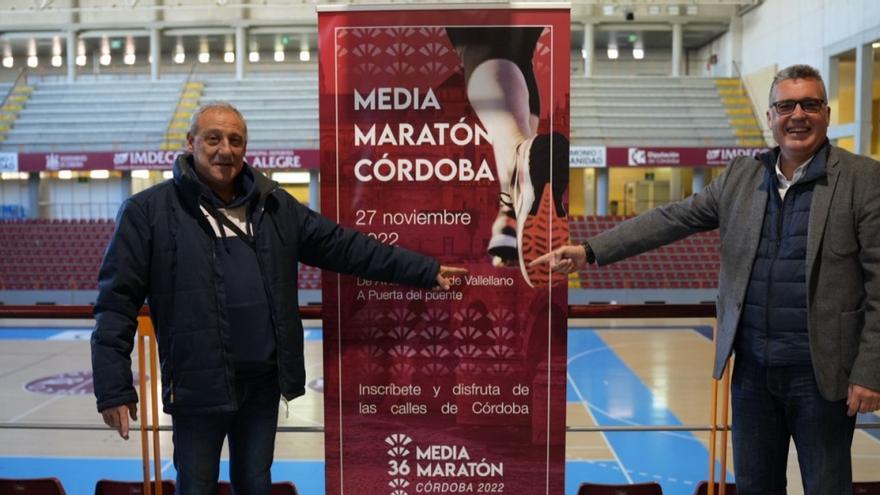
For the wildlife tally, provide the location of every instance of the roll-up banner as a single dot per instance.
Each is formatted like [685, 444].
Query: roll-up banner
[445, 131]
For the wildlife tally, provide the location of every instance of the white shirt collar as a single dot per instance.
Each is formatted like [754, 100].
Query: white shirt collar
[784, 183]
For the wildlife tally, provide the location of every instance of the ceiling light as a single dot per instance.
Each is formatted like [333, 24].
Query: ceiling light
[204, 55]
[612, 52]
[673, 9]
[228, 50]
[653, 10]
[8, 61]
[167, 174]
[32, 60]
[140, 174]
[80, 53]
[280, 41]
[875, 44]
[56, 60]
[130, 56]
[691, 10]
[304, 55]
[638, 50]
[65, 174]
[99, 174]
[179, 55]
[254, 54]
[608, 10]
[105, 58]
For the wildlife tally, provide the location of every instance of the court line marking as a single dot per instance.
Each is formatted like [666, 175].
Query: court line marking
[590, 406]
[583, 402]
[602, 346]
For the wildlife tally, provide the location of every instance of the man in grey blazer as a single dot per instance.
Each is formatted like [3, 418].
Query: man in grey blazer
[799, 289]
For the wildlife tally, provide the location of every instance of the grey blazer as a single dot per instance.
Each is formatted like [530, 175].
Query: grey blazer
[843, 258]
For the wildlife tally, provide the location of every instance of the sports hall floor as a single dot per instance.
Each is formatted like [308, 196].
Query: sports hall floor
[620, 373]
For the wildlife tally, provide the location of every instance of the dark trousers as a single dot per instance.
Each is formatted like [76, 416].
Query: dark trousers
[771, 406]
[198, 441]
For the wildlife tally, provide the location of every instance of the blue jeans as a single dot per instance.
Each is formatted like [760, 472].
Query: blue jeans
[198, 441]
[772, 405]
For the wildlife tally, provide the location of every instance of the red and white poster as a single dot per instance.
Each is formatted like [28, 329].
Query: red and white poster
[446, 132]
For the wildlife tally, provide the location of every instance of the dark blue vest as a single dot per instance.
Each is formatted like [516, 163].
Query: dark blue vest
[773, 327]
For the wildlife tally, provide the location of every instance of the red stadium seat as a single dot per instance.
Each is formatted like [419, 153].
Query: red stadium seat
[283, 488]
[703, 488]
[112, 487]
[650, 488]
[866, 488]
[33, 486]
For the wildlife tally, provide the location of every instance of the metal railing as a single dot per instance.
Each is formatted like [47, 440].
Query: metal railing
[719, 424]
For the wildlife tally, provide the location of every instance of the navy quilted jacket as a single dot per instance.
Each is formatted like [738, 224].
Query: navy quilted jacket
[162, 251]
[773, 328]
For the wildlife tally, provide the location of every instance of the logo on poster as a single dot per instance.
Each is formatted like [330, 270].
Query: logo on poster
[398, 465]
[637, 157]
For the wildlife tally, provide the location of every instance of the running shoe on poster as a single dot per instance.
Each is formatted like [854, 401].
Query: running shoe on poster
[539, 183]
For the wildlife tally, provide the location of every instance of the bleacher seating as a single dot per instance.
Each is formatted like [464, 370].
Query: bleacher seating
[703, 488]
[94, 116]
[281, 113]
[691, 263]
[31, 486]
[113, 487]
[52, 254]
[66, 255]
[655, 111]
[278, 488]
[649, 488]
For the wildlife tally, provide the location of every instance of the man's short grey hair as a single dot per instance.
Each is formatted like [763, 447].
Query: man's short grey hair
[214, 105]
[798, 71]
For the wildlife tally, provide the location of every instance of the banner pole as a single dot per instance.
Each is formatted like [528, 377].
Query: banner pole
[154, 407]
[713, 422]
[144, 410]
[725, 404]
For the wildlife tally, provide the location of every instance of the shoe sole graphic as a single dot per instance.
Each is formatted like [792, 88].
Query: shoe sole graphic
[541, 224]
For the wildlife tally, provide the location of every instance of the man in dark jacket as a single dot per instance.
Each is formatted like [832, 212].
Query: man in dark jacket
[215, 252]
[799, 289]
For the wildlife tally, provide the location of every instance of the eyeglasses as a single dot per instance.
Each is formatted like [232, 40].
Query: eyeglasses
[809, 105]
